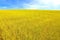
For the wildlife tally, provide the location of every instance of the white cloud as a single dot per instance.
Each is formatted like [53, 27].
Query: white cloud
[30, 6]
[38, 4]
[34, 5]
[53, 3]
[56, 3]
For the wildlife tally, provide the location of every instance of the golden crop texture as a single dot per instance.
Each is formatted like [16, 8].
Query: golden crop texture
[29, 25]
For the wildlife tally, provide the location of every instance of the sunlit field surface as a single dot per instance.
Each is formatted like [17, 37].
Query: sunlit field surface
[29, 25]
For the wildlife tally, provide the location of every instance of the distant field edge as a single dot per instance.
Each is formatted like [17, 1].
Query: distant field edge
[29, 10]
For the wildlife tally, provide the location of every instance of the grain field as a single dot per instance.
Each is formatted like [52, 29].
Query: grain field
[29, 25]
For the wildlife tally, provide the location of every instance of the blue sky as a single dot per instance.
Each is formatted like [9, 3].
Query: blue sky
[30, 4]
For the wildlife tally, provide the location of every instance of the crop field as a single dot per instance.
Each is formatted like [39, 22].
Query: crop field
[29, 25]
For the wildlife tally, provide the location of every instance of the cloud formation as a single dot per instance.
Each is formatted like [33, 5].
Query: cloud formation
[29, 4]
[44, 4]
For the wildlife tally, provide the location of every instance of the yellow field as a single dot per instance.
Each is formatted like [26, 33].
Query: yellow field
[29, 25]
